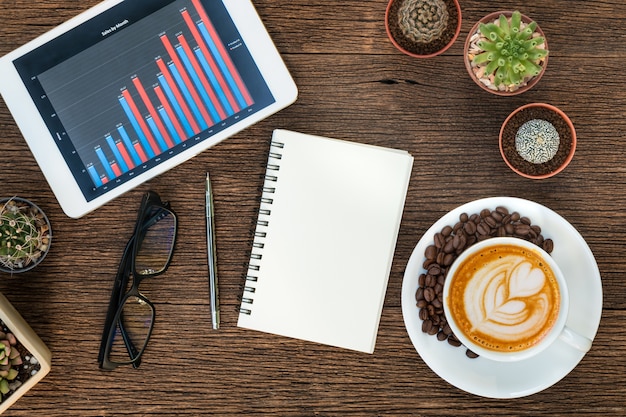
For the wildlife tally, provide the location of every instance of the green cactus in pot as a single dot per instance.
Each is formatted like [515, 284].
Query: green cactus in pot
[511, 50]
[24, 235]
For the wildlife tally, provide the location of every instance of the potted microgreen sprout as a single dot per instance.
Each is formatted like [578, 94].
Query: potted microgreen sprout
[537, 140]
[423, 28]
[25, 235]
[506, 53]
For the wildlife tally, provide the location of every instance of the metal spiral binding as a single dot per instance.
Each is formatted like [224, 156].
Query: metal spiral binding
[262, 224]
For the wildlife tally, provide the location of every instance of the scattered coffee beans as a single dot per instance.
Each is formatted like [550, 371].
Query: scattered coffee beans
[448, 244]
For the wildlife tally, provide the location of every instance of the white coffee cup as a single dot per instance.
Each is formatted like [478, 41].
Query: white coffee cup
[505, 298]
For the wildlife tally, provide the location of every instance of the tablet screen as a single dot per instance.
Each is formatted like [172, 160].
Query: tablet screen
[139, 84]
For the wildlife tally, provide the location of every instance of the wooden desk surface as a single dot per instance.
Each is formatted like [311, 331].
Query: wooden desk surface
[353, 85]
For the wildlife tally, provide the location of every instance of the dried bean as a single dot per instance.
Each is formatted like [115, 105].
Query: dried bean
[431, 252]
[522, 229]
[469, 228]
[471, 354]
[502, 210]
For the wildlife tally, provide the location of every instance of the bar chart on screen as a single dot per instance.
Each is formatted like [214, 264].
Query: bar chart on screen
[174, 85]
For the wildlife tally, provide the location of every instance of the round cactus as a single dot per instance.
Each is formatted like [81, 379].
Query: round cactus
[24, 234]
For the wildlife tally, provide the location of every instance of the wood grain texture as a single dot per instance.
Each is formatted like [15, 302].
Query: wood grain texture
[353, 85]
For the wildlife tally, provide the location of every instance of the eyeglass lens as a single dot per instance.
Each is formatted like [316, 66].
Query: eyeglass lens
[137, 317]
[155, 249]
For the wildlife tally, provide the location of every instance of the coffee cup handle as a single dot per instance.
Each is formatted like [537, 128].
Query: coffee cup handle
[575, 340]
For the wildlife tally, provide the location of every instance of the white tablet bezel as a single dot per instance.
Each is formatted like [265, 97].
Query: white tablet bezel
[42, 143]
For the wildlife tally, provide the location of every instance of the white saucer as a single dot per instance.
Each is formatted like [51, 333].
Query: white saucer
[512, 379]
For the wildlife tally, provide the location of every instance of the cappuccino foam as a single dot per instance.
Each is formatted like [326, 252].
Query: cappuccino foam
[505, 298]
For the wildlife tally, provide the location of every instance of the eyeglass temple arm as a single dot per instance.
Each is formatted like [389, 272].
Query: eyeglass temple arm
[116, 297]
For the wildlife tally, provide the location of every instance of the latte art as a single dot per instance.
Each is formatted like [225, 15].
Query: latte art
[505, 298]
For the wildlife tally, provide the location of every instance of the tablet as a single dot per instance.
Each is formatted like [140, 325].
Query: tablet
[129, 89]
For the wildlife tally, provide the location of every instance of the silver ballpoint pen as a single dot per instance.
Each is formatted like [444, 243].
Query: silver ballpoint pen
[212, 258]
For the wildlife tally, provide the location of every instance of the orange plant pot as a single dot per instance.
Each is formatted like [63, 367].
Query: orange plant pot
[566, 158]
[415, 55]
[468, 65]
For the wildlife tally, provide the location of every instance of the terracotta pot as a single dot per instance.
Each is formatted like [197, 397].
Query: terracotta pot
[396, 43]
[490, 18]
[558, 119]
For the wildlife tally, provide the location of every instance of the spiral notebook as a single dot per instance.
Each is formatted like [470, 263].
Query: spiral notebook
[324, 241]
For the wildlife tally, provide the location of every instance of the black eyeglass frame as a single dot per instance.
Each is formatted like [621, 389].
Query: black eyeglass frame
[145, 219]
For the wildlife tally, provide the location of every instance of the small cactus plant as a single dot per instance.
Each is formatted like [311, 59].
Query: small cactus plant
[24, 235]
[10, 359]
[506, 53]
[423, 21]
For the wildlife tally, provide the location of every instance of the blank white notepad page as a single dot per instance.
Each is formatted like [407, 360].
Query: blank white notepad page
[326, 235]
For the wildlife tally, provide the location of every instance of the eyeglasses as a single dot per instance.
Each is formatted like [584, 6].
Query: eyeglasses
[130, 317]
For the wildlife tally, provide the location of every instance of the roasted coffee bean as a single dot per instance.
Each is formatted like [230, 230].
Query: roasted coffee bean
[522, 229]
[427, 326]
[437, 303]
[424, 314]
[429, 294]
[421, 281]
[515, 216]
[430, 282]
[456, 241]
[421, 304]
[502, 210]
[491, 222]
[433, 330]
[483, 229]
[446, 231]
[419, 294]
[431, 309]
[440, 256]
[431, 252]
[448, 259]
[451, 339]
[525, 220]
[434, 270]
[497, 216]
[447, 330]
[485, 213]
[509, 228]
[449, 246]
[471, 354]
[548, 245]
[441, 336]
[440, 240]
[469, 228]
[463, 217]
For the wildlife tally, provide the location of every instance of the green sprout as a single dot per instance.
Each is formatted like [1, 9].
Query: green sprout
[510, 51]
